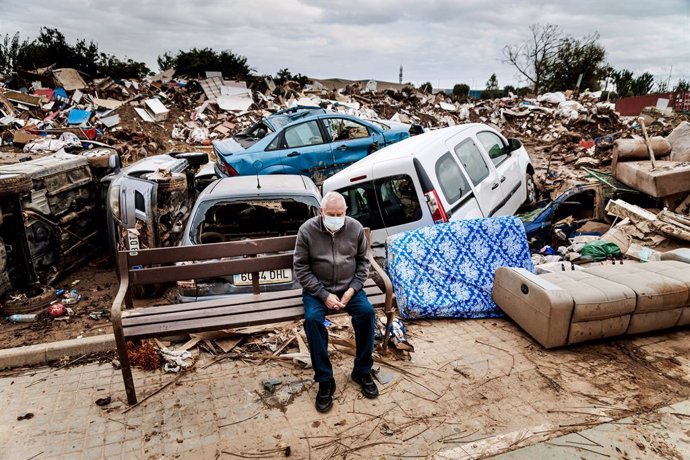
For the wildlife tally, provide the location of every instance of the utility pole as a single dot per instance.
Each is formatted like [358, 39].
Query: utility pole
[400, 76]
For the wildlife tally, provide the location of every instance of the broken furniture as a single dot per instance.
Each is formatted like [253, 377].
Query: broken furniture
[154, 266]
[447, 270]
[568, 307]
[658, 178]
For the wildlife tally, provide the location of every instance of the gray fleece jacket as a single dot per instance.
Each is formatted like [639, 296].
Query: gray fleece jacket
[327, 263]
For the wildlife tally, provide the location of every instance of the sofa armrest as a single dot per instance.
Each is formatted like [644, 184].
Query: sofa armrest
[541, 308]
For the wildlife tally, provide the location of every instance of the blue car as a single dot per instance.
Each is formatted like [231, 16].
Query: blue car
[317, 146]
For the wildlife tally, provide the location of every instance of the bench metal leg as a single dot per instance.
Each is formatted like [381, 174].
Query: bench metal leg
[125, 367]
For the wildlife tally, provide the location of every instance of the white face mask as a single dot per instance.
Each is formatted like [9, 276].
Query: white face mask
[334, 223]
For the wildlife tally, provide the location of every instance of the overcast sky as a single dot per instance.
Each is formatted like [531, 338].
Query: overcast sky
[444, 42]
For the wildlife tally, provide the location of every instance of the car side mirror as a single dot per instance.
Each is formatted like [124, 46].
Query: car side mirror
[114, 164]
[513, 145]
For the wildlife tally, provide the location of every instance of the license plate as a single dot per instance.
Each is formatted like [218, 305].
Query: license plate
[133, 242]
[267, 277]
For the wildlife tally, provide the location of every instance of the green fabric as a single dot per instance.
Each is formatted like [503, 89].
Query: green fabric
[600, 250]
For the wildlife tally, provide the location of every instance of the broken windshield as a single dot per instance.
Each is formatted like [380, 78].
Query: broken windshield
[233, 219]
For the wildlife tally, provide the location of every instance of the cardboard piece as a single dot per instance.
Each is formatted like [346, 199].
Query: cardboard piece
[111, 104]
[69, 79]
[22, 137]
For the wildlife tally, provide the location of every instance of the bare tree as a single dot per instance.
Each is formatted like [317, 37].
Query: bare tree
[533, 57]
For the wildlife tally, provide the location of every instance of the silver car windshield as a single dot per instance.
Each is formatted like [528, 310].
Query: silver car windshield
[235, 219]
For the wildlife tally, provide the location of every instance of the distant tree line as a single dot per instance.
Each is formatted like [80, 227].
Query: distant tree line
[51, 48]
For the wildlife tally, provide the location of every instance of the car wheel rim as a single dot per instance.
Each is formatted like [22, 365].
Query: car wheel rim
[531, 190]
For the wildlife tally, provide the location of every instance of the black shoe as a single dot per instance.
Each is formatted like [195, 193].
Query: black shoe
[369, 388]
[324, 398]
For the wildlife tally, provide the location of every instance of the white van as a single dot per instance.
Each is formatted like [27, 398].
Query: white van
[460, 172]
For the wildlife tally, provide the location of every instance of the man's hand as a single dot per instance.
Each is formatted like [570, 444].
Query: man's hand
[333, 303]
[347, 296]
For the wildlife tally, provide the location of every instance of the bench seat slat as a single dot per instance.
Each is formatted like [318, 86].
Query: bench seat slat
[230, 300]
[222, 322]
[184, 313]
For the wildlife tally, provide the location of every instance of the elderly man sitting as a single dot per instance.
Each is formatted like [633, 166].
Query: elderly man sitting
[331, 264]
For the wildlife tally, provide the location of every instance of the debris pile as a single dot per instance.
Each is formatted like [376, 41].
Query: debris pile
[55, 108]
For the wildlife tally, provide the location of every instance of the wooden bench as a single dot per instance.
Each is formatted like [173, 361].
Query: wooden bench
[156, 266]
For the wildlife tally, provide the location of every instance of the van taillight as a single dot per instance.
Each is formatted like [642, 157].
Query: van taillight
[230, 170]
[438, 214]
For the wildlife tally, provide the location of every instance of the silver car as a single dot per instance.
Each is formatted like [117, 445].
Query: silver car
[248, 207]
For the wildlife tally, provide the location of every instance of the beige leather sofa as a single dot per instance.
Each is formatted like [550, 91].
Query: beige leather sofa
[568, 307]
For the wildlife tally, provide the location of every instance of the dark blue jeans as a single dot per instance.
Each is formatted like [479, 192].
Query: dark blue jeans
[363, 322]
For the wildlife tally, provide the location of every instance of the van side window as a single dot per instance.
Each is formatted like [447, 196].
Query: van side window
[494, 146]
[398, 200]
[385, 202]
[472, 160]
[361, 205]
[450, 178]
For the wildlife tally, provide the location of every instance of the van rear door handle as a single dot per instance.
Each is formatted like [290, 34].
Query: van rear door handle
[503, 179]
[293, 154]
[495, 186]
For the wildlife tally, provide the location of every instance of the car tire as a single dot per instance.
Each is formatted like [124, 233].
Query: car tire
[12, 184]
[532, 195]
[40, 297]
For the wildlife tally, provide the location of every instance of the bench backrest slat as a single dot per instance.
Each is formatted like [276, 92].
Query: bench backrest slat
[203, 270]
[211, 251]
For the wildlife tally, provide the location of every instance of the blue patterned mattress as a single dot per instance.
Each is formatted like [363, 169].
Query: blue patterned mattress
[447, 270]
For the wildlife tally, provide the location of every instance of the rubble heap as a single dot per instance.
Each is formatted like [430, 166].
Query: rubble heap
[163, 113]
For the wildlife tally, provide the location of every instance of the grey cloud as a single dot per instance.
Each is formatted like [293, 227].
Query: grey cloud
[442, 41]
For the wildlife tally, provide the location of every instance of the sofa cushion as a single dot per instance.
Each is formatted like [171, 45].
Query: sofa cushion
[595, 298]
[677, 270]
[598, 329]
[655, 320]
[655, 292]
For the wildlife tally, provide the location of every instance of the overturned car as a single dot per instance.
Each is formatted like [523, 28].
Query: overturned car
[51, 218]
[148, 202]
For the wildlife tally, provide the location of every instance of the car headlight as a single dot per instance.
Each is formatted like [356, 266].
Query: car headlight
[114, 200]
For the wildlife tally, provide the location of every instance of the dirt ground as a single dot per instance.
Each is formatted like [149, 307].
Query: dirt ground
[97, 286]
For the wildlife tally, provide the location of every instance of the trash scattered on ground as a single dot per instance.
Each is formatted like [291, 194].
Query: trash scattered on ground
[26, 416]
[145, 355]
[270, 384]
[103, 401]
[17, 318]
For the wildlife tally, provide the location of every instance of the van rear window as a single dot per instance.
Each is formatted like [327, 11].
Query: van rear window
[385, 202]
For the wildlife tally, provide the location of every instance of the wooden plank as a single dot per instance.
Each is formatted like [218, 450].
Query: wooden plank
[184, 313]
[209, 269]
[212, 251]
[211, 324]
[238, 299]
